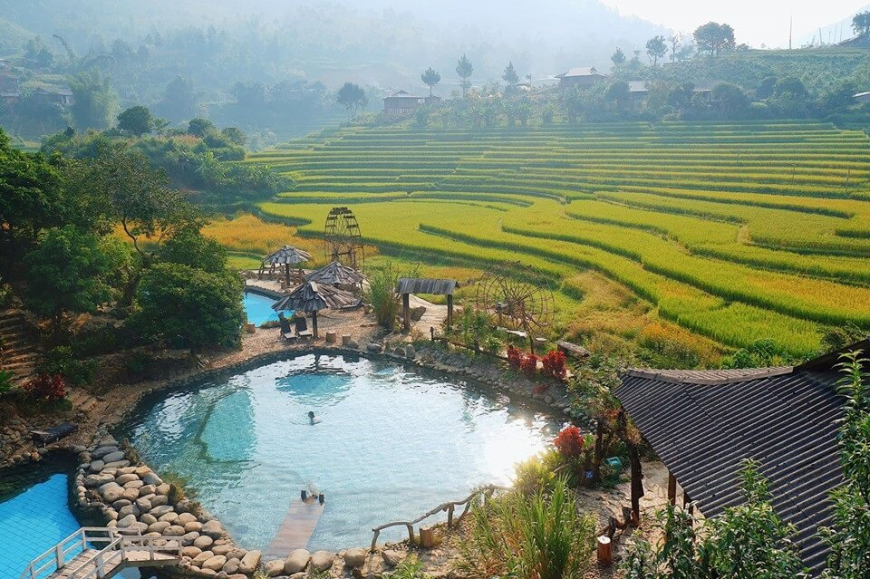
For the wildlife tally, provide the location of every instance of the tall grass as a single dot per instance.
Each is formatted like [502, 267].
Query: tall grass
[539, 537]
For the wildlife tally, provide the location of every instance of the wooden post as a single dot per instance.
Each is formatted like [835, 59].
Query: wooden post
[314, 324]
[605, 554]
[427, 537]
[411, 540]
[685, 498]
[406, 311]
[449, 310]
[450, 516]
[287, 268]
[672, 489]
[636, 483]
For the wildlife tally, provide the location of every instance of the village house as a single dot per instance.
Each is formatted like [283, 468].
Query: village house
[584, 77]
[861, 97]
[403, 102]
[54, 95]
[10, 92]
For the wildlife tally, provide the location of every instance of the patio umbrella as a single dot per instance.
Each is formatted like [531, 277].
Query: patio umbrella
[287, 256]
[312, 297]
[337, 274]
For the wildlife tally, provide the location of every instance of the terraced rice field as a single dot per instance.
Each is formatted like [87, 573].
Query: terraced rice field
[736, 232]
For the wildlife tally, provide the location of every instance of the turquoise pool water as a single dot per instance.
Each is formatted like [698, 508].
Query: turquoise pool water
[392, 444]
[259, 309]
[34, 516]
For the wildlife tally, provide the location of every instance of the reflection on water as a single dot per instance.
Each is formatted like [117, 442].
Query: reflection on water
[391, 445]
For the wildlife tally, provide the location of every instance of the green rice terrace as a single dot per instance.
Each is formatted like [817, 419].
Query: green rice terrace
[734, 232]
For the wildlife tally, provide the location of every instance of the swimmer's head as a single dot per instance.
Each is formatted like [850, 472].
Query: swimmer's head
[310, 414]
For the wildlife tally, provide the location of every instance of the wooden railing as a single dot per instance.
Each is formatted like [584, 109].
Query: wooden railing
[449, 508]
[118, 545]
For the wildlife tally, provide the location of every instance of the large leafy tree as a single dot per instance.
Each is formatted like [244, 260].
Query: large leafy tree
[464, 69]
[861, 23]
[352, 97]
[31, 195]
[430, 78]
[656, 48]
[189, 307]
[730, 98]
[618, 58]
[95, 103]
[71, 272]
[714, 38]
[180, 101]
[620, 94]
[510, 75]
[136, 121]
[849, 539]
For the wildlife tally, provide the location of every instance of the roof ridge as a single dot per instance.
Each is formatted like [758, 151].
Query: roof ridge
[708, 377]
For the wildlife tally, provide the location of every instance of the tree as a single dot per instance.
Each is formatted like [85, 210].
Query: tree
[510, 75]
[190, 247]
[352, 97]
[656, 48]
[200, 127]
[790, 86]
[732, 99]
[464, 69]
[70, 272]
[675, 46]
[189, 307]
[620, 94]
[180, 101]
[618, 58]
[765, 89]
[430, 78]
[95, 103]
[235, 136]
[849, 538]
[714, 38]
[861, 23]
[136, 121]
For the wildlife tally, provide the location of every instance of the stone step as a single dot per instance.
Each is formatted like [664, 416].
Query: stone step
[12, 322]
[19, 356]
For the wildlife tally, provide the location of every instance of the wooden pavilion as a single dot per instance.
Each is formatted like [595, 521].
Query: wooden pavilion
[312, 297]
[442, 287]
[704, 424]
[287, 256]
[338, 275]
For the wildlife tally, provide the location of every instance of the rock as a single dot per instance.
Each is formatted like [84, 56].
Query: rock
[134, 484]
[216, 563]
[158, 527]
[410, 352]
[231, 566]
[300, 575]
[213, 529]
[352, 344]
[148, 519]
[250, 562]
[126, 521]
[185, 518]
[374, 348]
[96, 466]
[129, 510]
[392, 557]
[297, 561]
[322, 560]
[355, 558]
[97, 480]
[169, 518]
[202, 558]
[203, 542]
[189, 538]
[126, 470]
[108, 486]
[399, 352]
[222, 550]
[130, 494]
[104, 451]
[174, 531]
[162, 489]
[161, 510]
[190, 552]
[147, 490]
[237, 554]
[211, 573]
[144, 504]
[274, 568]
[125, 478]
[157, 500]
[193, 526]
[114, 456]
[238, 576]
[120, 504]
[152, 479]
[116, 465]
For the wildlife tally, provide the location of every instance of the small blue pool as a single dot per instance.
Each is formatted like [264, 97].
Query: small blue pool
[32, 520]
[259, 309]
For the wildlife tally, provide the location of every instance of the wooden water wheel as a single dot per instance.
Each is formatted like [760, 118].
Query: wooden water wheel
[343, 237]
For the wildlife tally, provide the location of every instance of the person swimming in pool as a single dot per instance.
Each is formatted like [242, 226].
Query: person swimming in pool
[312, 419]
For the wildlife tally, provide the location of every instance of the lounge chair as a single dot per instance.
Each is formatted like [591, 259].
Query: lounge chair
[287, 331]
[302, 328]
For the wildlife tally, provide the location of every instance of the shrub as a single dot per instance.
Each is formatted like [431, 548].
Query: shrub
[5, 381]
[570, 442]
[554, 365]
[60, 361]
[530, 365]
[515, 357]
[534, 475]
[45, 388]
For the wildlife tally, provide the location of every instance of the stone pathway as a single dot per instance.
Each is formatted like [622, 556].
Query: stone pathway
[434, 317]
[18, 350]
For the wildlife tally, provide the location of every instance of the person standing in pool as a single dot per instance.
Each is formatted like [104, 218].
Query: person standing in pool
[312, 419]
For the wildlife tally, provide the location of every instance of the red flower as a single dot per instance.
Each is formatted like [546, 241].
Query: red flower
[554, 365]
[46, 388]
[530, 365]
[570, 442]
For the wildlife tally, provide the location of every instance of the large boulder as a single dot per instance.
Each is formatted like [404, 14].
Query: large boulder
[93, 481]
[185, 518]
[126, 521]
[231, 566]
[322, 560]
[213, 529]
[96, 466]
[188, 538]
[190, 551]
[250, 562]
[152, 479]
[116, 456]
[203, 542]
[158, 527]
[297, 561]
[393, 558]
[161, 510]
[274, 568]
[169, 518]
[125, 478]
[355, 558]
[104, 451]
[215, 563]
[202, 558]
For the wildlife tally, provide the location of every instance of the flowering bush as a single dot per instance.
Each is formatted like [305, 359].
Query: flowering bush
[554, 365]
[46, 388]
[530, 365]
[570, 442]
[515, 358]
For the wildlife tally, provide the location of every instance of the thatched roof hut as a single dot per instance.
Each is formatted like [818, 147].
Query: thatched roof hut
[338, 275]
[286, 256]
[312, 297]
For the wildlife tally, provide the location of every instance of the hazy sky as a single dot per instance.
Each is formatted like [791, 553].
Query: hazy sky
[754, 21]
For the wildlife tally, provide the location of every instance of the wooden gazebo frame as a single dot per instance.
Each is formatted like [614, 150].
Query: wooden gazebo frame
[412, 285]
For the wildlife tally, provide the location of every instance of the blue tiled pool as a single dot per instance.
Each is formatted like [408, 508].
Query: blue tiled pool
[33, 521]
[259, 309]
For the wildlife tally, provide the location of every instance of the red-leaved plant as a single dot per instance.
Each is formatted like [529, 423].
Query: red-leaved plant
[570, 442]
[554, 365]
[515, 357]
[46, 388]
[530, 365]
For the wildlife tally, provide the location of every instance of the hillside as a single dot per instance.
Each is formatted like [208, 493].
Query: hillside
[734, 232]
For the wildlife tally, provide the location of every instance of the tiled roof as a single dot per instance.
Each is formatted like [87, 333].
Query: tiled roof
[704, 424]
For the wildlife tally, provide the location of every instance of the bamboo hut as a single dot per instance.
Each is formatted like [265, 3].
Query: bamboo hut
[286, 256]
[312, 297]
[338, 275]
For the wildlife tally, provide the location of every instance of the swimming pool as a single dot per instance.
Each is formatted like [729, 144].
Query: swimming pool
[259, 309]
[391, 444]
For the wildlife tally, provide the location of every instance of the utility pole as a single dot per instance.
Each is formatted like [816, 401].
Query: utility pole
[790, 20]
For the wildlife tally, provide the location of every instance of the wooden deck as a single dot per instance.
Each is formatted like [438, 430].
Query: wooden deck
[79, 567]
[296, 529]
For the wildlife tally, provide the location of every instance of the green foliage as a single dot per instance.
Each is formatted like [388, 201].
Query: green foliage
[618, 58]
[839, 337]
[61, 360]
[475, 328]
[95, 103]
[410, 568]
[464, 68]
[537, 474]
[189, 247]
[352, 97]
[510, 75]
[430, 78]
[849, 537]
[861, 23]
[714, 38]
[136, 121]
[381, 292]
[541, 537]
[74, 270]
[5, 381]
[761, 354]
[187, 307]
[656, 48]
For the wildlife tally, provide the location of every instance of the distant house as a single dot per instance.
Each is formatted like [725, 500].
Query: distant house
[584, 77]
[638, 90]
[54, 95]
[861, 97]
[10, 93]
[403, 102]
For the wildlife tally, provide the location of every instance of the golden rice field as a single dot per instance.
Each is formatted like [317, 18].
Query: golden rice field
[724, 233]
